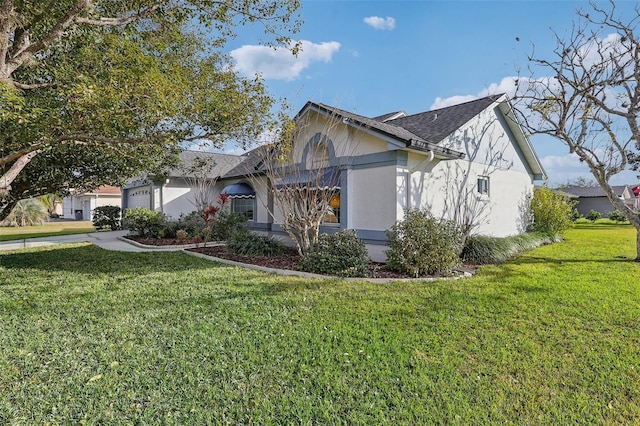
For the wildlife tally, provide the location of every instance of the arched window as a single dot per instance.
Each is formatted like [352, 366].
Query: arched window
[318, 157]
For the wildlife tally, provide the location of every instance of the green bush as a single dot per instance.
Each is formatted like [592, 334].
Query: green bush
[617, 216]
[245, 243]
[342, 254]
[107, 217]
[552, 211]
[483, 250]
[593, 215]
[423, 245]
[144, 222]
[225, 224]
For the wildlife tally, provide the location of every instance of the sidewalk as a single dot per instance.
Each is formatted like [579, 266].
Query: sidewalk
[110, 240]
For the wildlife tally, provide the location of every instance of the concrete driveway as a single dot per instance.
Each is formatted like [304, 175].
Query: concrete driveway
[109, 240]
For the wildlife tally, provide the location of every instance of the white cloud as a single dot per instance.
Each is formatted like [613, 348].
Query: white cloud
[507, 85]
[279, 63]
[379, 23]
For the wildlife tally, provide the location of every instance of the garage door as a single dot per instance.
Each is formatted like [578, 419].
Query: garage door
[139, 197]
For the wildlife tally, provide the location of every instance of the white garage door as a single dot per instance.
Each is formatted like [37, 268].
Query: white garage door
[139, 197]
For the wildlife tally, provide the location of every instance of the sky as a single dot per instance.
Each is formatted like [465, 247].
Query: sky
[373, 57]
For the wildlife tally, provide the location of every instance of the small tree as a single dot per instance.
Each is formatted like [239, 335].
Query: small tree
[593, 215]
[304, 191]
[107, 217]
[27, 212]
[143, 222]
[552, 210]
[421, 244]
[617, 216]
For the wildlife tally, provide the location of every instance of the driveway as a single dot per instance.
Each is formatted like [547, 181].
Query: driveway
[109, 240]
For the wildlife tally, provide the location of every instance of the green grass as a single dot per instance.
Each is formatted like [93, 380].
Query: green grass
[47, 229]
[98, 337]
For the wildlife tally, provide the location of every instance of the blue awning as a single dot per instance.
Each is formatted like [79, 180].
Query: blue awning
[239, 190]
[326, 178]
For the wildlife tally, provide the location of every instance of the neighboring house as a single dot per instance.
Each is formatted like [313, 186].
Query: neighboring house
[593, 198]
[468, 161]
[80, 206]
[178, 191]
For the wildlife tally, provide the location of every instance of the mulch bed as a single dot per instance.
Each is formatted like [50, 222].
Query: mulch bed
[288, 261]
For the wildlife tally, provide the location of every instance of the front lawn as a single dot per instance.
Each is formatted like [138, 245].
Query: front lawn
[101, 337]
[47, 229]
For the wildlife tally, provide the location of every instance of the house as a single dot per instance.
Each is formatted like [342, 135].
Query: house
[469, 162]
[593, 198]
[80, 206]
[181, 189]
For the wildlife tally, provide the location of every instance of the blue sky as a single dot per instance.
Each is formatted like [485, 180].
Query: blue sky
[373, 57]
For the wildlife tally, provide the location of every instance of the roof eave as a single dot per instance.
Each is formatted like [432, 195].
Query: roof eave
[441, 152]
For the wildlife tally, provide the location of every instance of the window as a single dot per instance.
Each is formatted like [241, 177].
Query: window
[243, 206]
[483, 185]
[318, 156]
[333, 215]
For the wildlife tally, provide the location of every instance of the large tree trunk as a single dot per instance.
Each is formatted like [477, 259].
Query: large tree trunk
[6, 205]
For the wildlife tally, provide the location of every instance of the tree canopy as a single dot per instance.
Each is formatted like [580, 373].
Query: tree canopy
[588, 96]
[93, 92]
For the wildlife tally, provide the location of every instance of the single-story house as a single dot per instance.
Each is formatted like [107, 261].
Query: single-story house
[468, 162]
[80, 206]
[182, 188]
[593, 198]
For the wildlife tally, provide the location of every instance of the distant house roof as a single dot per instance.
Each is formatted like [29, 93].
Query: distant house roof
[105, 190]
[590, 191]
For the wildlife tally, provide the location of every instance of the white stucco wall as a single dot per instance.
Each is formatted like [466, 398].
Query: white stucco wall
[177, 199]
[373, 198]
[447, 187]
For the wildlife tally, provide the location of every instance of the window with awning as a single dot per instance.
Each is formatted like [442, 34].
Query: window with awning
[242, 197]
[239, 190]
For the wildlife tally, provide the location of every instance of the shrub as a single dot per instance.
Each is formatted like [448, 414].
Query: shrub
[617, 216]
[342, 254]
[423, 245]
[482, 250]
[144, 222]
[27, 212]
[246, 243]
[226, 223]
[552, 211]
[193, 223]
[107, 217]
[181, 235]
[593, 215]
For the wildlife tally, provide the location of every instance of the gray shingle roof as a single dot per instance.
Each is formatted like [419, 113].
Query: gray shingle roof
[433, 126]
[591, 191]
[222, 163]
[248, 165]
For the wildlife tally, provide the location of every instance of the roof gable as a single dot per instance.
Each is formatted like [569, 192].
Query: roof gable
[435, 125]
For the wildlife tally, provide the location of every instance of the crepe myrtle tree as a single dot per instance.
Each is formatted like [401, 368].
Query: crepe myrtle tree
[303, 191]
[588, 96]
[95, 91]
